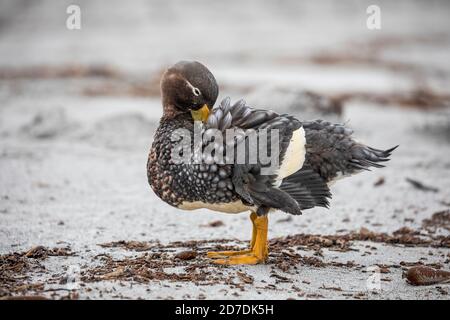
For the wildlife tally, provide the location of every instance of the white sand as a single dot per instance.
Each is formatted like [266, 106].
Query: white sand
[85, 163]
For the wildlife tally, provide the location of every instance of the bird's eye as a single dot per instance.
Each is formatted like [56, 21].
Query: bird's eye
[196, 91]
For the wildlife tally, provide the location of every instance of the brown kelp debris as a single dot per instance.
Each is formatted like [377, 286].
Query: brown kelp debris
[125, 87]
[15, 268]
[40, 252]
[335, 242]
[279, 278]
[211, 245]
[348, 58]
[64, 71]
[150, 267]
[440, 219]
[421, 276]
[422, 98]
[214, 224]
[24, 297]
[404, 236]
[245, 277]
[406, 264]
[288, 260]
[131, 85]
[115, 83]
[129, 245]
[163, 263]
[323, 287]
[186, 255]
[421, 186]
[370, 52]
[36, 252]
[377, 45]
[216, 244]
[379, 182]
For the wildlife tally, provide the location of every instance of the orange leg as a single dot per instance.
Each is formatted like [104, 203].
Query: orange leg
[258, 251]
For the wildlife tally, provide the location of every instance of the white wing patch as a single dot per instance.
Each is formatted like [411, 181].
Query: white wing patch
[294, 156]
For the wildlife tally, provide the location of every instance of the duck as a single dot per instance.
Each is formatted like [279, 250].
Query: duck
[306, 157]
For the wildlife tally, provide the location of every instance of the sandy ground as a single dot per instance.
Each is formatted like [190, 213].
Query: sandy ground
[77, 114]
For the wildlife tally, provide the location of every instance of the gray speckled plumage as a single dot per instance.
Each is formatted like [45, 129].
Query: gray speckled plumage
[330, 151]
[175, 183]
[215, 182]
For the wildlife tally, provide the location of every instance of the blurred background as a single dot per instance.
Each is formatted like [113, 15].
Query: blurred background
[78, 109]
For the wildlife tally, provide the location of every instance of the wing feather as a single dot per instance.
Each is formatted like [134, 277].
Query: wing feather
[254, 187]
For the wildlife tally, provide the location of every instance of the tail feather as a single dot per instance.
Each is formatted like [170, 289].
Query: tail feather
[364, 157]
[332, 152]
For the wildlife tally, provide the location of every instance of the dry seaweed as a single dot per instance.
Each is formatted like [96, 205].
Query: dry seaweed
[64, 71]
[16, 268]
[440, 219]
